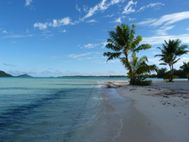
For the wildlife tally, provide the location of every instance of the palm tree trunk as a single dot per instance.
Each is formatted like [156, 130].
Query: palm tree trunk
[132, 78]
[171, 73]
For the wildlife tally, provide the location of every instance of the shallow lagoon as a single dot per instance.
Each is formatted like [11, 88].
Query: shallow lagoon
[47, 109]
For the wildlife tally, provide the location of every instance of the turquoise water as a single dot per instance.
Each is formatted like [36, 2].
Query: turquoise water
[47, 109]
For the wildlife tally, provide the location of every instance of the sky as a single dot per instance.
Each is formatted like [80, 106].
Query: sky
[68, 37]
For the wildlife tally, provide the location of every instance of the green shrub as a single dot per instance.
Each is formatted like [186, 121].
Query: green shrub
[142, 82]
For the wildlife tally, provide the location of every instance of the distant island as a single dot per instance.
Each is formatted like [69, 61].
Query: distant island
[4, 74]
[89, 76]
[24, 76]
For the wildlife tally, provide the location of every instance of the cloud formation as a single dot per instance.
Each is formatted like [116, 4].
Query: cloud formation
[94, 45]
[151, 5]
[54, 23]
[157, 40]
[166, 22]
[90, 45]
[129, 8]
[167, 19]
[103, 5]
[118, 20]
[80, 55]
[28, 2]
[17, 36]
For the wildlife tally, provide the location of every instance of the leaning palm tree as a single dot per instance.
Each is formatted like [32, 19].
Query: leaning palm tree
[185, 68]
[123, 43]
[170, 52]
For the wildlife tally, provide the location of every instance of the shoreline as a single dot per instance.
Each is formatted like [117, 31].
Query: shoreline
[132, 114]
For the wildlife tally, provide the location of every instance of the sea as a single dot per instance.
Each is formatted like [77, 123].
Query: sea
[48, 109]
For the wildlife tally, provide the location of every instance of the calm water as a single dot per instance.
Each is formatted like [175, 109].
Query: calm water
[44, 109]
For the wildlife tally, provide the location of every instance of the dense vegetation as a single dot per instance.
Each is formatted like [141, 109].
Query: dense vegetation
[183, 72]
[185, 69]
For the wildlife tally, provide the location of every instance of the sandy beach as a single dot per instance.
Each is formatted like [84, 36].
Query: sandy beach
[158, 113]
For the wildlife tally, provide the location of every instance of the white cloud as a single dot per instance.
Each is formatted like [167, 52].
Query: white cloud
[103, 5]
[90, 45]
[164, 29]
[131, 19]
[5, 32]
[91, 21]
[8, 65]
[166, 22]
[168, 19]
[114, 1]
[28, 2]
[157, 40]
[55, 23]
[185, 58]
[14, 36]
[77, 8]
[151, 5]
[94, 45]
[99, 7]
[64, 31]
[92, 57]
[187, 29]
[103, 44]
[118, 20]
[40, 26]
[146, 21]
[80, 55]
[60, 22]
[129, 7]
[152, 60]
[109, 15]
[171, 18]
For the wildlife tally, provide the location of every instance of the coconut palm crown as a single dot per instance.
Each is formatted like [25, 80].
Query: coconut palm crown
[170, 52]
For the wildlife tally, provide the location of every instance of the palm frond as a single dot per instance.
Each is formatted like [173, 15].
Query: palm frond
[142, 47]
[112, 55]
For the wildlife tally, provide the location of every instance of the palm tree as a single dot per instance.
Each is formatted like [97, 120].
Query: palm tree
[170, 52]
[140, 69]
[124, 44]
[185, 68]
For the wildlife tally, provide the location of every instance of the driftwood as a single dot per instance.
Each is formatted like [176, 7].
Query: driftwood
[112, 85]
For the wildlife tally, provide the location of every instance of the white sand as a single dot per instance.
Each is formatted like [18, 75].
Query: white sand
[140, 114]
[156, 116]
[177, 85]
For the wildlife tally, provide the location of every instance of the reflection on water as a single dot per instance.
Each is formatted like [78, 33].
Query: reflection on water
[45, 109]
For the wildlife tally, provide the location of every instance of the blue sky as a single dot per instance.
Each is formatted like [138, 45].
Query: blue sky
[67, 37]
